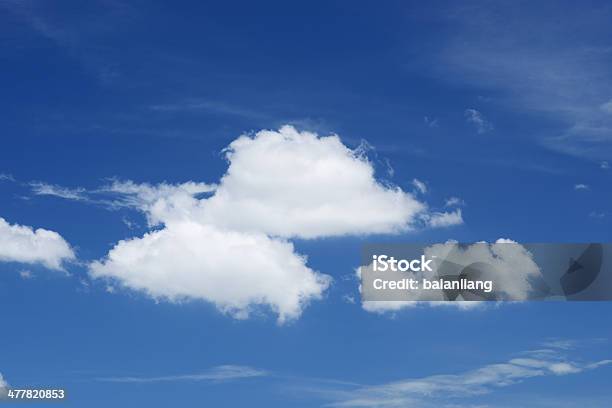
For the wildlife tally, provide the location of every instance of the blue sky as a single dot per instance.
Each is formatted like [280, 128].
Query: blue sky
[505, 107]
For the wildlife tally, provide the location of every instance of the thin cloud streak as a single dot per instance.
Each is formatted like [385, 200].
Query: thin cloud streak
[466, 387]
[215, 374]
[210, 106]
[42, 189]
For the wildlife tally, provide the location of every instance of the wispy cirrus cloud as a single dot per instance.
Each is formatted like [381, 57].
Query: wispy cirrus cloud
[461, 389]
[76, 36]
[562, 76]
[479, 121]
[42, 189]
[215, 374]
[420, 186]
[562, 344]
[454, 202]
[117, 194]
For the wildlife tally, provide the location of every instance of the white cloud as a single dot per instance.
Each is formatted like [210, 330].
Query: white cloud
[125, 194]
[161, 203]
[297, 184]
[454, 202]
[392, 306]
[581, 187]
[444, 219]
[3, 388]
[233, 270]
[386, 307]
[441, 389]
[513, 264]
[564, 368]
[129, 223]
[604, 165]
[282, 183]
[215, 374]
[19, 243]
[420, 186]
[6, 177]
[477, 119]
[39, 188]
[25, 274]
[562, 344]
[229, 247]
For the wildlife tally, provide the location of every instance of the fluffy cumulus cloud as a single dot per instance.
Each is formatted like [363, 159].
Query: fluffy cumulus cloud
[297, 184]
[19, 243]
[513, 266]
[226, 243]
[234, 270]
